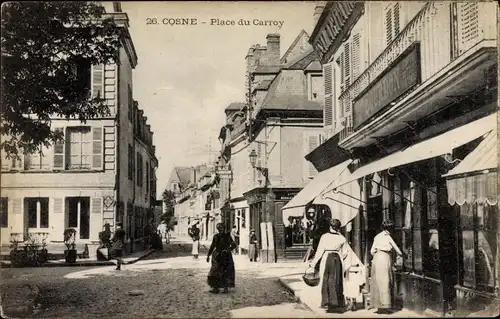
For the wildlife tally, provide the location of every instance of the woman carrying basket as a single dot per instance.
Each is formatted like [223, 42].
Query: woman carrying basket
[332, 251]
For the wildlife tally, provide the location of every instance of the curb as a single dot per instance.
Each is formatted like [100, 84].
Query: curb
[297, 298]
[84, 263]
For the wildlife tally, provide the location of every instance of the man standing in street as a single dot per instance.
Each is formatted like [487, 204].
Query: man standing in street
[118, 244]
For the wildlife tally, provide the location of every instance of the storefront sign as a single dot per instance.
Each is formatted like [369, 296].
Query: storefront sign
[286, 196]
[399, 77]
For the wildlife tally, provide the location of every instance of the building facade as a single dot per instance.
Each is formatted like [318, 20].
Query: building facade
[82, 182]
[411, 96]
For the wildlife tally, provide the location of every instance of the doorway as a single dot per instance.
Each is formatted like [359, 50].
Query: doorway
[77, 216]
[375, 218]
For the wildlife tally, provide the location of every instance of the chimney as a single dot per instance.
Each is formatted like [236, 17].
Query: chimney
[318, 10]
[273, 49]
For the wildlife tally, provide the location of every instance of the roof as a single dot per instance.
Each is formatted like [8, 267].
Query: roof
[303, 61]
[235, 106]
[291, 49]
[267, 69]
[185, 175]
[263, 85]
[288, 91]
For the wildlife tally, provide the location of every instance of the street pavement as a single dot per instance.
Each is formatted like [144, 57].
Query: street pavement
[166, 284]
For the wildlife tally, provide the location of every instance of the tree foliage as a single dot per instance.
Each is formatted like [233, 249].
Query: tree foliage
[41, 44]
[168, 198]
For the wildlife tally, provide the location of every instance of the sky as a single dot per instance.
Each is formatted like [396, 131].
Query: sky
[188, 74]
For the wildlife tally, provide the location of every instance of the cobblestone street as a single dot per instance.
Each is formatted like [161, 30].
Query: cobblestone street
[164, 285]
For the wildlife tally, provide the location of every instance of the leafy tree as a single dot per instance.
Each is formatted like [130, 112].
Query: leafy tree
[168, 198]
[43, 43]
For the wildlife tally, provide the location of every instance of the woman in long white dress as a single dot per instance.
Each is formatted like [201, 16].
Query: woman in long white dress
[332, 251]
[381, 272]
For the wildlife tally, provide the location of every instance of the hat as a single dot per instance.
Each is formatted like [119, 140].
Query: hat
[251, 230]
[311, 210]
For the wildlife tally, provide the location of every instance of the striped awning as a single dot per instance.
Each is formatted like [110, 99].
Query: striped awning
[475, 179]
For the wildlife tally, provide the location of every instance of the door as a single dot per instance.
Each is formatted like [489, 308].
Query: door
[78, 217]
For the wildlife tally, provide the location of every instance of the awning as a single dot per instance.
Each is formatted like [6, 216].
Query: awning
[433, 147]
[475, 179]
[344, 202]
[295, 207]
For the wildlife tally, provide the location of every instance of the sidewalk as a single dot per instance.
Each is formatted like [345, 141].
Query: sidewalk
[128, 259]
[310, 296]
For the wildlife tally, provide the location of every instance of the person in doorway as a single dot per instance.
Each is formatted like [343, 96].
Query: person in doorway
[194, 232]
[118, 245]
[235, 237]
[252, 246]
[333, 252]
[381, 270]
[222, 272]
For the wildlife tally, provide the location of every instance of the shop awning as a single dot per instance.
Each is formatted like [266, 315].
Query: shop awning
[436, 146]
[344, 202]
[475, 179]
[295, 207]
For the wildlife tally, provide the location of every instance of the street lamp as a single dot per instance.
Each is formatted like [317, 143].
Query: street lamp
[253, 159]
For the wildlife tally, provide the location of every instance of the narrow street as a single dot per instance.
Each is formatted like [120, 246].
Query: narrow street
[165, 285]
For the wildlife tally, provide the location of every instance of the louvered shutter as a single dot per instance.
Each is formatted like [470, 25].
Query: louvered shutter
[347, 64]
[312, 144]
[356, 56]
[397, 19]
[328, 98]
[468, 24]
[98, 81]
[388, 25]
[97, 147]
[95, 217]
[59, 160]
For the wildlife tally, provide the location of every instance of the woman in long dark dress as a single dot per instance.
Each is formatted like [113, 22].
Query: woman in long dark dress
[332, 251]
[222, 273]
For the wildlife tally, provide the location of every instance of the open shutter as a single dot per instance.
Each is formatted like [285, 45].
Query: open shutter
[313, 143]
[95, 217]
[388, 25]
[59, 151]
[397, 19]
[98, 81]
[328, 99]
[356, 56]
[97, 147]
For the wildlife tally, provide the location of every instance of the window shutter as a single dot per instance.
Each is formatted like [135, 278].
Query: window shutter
[397, 20]
[98, 81]
[328, 98]
[59, 160]
[468, 24]
[97, 147]
[313, 143]
[356, 56]
[95, 217]
[388, 26]
[347, 64]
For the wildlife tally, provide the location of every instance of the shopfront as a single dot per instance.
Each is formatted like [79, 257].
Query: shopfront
[473, 194]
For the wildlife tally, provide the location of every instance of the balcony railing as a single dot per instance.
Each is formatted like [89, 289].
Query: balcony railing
[444, 30]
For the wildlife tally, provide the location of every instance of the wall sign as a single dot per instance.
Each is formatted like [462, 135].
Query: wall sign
[399, 77]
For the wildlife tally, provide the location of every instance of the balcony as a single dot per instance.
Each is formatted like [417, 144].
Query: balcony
[446, 47]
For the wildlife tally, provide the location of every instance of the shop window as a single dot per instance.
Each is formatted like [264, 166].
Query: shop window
[478, 235]
[431, 260]
[299, 231]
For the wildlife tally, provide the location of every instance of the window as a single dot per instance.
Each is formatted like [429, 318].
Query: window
[140, 170]
[147, 177]
[478, 234]
[38, 161]
[79, 147]
[37, 212]
[130, 162]
[130, 104]
[392, 22]
[316, 88]
[4, 212]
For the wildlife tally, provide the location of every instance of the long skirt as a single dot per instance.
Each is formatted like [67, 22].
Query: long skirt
[381, 280]
[332, 282]
[222, 272]
[252, 252]
[196, 247]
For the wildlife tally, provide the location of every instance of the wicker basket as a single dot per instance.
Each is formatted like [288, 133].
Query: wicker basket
[312, 278]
